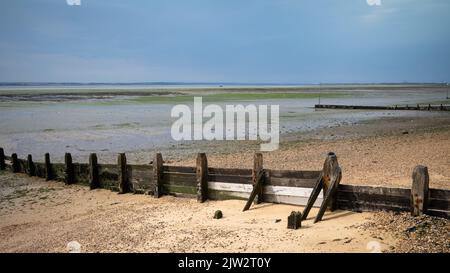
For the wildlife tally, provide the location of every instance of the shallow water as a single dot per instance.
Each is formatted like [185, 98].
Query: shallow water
[117, 124]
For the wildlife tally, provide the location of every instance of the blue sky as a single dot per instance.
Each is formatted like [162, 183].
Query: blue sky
[254, 41]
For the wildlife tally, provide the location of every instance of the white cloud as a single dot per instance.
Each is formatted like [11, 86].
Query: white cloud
[374, 2]
[73, 2]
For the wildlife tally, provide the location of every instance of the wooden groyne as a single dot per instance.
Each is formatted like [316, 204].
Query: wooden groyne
[417, 107]
[263, 185]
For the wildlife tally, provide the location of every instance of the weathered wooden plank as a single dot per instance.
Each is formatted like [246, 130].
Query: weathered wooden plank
[226, 195]
[58, 171]
[108, 176]
[439, 213]
[230, 171]
[186, 179]
[230, 178]
[292, 182]
[367, 206]
[141, 178]
[419, 190]
[22, 165]
[80, 173]
[290, 200]
[375, 190]
[440, 194]
[438, 204]
[313, 197]
[374, 198]
[202, 177]
[168, 189]
[39, 169]
[179, 169]
[293, 174]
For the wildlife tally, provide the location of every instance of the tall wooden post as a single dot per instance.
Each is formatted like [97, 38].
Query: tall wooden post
[256, 174]
[332, 175]
[329, 168]
[68, 170]
[93, 171]
[2, 159]
[202, 177]
[419, 190]
[15, 163]
[123, 173]
[158, 175]
[30, 166]
[48, 168]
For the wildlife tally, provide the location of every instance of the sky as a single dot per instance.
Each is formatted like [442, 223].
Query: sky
[243, 41]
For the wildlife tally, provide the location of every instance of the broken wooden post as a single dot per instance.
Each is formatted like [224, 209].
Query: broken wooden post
[256, 175]
[93, 171]
[294, 220]
[68, 170]
[48, 168]
[123, 173]
[419, 190]
[158, 175]
[258, 181]
[31, 170]
[202, 177]
[332, 175]
[2, 159]
[15, 163]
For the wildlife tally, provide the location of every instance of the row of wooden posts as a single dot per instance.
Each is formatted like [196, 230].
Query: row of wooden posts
[328, 180]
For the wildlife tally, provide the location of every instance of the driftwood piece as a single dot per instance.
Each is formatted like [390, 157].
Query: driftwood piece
[158, 175]
[202, 177]
[419, 190]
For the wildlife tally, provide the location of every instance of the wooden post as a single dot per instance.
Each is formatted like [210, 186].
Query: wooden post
[429, 107]
[202, 177]
[30, 165]
[93, 171]
[123, 173]
[68, 170]
[158, 175]
[329, 167]
[48, 168]
[294, 220]
[256, 190]
[2, 159]
[419, 190]
[15, 163]
[330, 195]
[256, 174]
